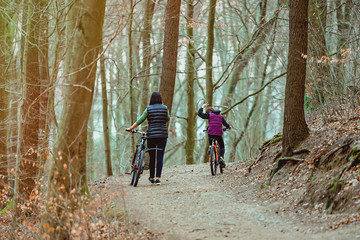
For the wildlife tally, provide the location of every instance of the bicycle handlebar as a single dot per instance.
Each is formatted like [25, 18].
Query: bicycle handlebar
[136, 131]
[224, 129]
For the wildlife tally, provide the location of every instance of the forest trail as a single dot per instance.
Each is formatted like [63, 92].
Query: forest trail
[192, 204]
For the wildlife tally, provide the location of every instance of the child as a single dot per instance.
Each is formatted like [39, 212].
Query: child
[215, 131]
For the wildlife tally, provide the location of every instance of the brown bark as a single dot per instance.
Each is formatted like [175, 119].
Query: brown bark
[68, 173]
[317, 49]
[295, 128]
[209, 52]
[343, 14]
[131, 80]
[190, 75]
[28, 164]
[169, 62]
[209, 64]
[149, 12]
[45, 89]
[4, 102]
[105, 118]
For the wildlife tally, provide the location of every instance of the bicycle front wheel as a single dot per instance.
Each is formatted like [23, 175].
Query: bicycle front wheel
[139, 168]
[212, 160]
[134, 161]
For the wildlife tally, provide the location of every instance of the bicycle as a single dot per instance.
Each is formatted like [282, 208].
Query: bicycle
[138, 162]
[214, 152]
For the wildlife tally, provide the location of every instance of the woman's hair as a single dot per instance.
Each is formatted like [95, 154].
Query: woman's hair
[155, 98]
[209, 110]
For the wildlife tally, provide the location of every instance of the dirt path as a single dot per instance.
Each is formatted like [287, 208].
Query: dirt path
[192, 204]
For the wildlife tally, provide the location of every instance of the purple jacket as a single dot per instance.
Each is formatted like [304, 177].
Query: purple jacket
[215, 124]
[216, 120]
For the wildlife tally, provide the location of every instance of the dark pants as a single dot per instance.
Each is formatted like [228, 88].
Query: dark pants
[156, 143]
[220, 141]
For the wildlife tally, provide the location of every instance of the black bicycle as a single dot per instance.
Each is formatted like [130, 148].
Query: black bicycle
[214, 152]
[138, 162]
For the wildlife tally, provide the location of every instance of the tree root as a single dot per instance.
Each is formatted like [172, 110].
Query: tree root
[249, 168]
[317, 158]
[301, 151]
[281, 163]
[273, 141]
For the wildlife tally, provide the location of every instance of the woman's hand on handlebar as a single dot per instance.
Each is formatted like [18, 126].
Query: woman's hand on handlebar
[129, 129]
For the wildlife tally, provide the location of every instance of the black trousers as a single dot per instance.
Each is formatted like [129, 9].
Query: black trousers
[220, 141]
[156, 143]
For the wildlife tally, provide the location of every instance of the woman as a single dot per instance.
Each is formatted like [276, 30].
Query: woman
[157, 115]
[215, 131]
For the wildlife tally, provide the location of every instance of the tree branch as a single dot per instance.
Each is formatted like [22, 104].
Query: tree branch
[252, 94]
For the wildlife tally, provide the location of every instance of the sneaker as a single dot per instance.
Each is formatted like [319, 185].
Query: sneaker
[157, 181]
[222, 162]
[151, 180]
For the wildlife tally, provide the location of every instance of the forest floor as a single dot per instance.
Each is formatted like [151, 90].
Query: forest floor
[192, 204]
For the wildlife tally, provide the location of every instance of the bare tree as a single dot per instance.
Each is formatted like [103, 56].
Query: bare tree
[131, 72]
[105, 115]
[4, 99]
[190, 75]
[28, 162]
[209, 52]
[295, 127]
[149, 12]
[169, 62]
[320, 75]
[68, 173]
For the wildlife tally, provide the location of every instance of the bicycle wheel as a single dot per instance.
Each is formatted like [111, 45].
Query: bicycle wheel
[133, 164]
[212, 160]
[138, 168]
[217, 155]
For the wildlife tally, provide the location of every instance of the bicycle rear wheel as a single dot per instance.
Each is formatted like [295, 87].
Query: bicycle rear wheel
[139, 167]
[217, 156]
[212, 160]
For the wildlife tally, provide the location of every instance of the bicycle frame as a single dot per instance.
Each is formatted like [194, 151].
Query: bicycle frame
[215, 145]
[139, 146]
[214, 154]
[138, 162]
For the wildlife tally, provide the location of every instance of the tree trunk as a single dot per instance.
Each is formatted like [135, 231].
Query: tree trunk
[105, 114]
[209, 52]
[149, 12]
[169, 62]
[68, 173]
[46, 98]
[209, 64]
[317, 49]
[15, 94]
[4, 101]
[343, 14]
[28, 164]
[190, 75]
[90, 162]
[295, 128]
[131, 80]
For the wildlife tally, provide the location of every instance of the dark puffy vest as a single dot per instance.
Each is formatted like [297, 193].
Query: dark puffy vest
[157, 118]
[215, 124]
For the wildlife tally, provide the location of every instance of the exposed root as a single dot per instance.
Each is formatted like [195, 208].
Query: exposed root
[281, 163]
